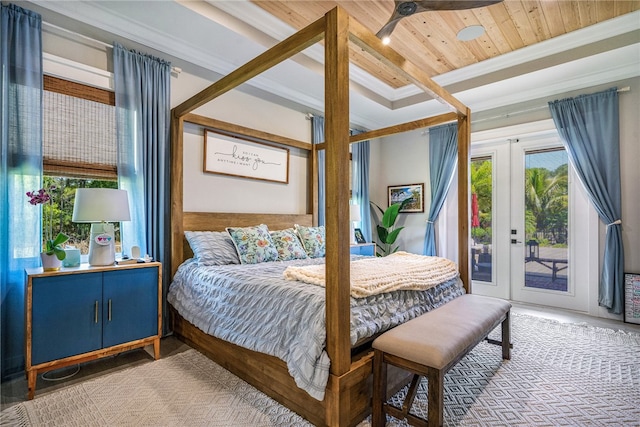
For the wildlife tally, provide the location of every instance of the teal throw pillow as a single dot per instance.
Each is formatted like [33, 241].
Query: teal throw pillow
[288, 245]
[313, 240]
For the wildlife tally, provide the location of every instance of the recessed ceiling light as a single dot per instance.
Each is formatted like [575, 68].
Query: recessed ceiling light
[471, 32]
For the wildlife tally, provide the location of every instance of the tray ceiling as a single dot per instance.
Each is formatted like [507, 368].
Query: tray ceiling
[531, 49]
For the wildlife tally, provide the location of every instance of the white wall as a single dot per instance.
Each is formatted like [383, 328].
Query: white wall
[630, 173]
[207, 192]
[397, 160]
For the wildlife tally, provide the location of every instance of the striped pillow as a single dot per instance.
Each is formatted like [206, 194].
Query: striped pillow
[212, 247]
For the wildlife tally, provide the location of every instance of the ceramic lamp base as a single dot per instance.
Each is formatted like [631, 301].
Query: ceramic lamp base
[101, 248]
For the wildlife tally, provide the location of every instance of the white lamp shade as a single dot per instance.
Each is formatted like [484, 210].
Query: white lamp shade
[101, 205]
[354, 212]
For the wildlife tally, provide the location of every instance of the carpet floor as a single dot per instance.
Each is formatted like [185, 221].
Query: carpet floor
[560, 375]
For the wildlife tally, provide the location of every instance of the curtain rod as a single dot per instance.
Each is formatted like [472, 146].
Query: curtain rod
[176, 70]
[309, 116]
[528, 110]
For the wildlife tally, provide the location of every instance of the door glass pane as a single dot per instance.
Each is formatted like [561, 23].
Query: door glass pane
[546, 219]
[481, 233]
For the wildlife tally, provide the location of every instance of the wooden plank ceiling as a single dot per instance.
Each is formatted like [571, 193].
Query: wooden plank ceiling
[429, 38]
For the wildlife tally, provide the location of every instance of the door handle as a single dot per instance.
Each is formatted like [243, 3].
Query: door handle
[514, 241]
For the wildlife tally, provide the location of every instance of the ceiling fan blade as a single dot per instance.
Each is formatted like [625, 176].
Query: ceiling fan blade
[403, 8]
[388, 28]
[426, 5]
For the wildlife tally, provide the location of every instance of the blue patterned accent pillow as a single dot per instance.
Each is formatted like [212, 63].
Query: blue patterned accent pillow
[313, 240]
[288, 245]
[212, 247]
[253, 244]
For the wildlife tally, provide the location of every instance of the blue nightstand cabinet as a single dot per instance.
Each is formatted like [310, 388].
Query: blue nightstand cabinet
[130, 308]
[66, 320]
[80, 314]
[368, 249]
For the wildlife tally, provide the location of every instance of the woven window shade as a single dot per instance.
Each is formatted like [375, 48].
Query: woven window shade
[79, 135]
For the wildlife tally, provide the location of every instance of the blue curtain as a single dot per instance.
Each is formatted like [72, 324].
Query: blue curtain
[443, 151]
[317, 128]
[20, 171]
[589, 128]
[142, 86]
[360, 187]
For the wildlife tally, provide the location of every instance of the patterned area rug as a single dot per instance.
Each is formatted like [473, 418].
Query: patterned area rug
[559, 375]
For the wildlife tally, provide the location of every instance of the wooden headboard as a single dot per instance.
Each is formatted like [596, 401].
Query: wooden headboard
[218, 221]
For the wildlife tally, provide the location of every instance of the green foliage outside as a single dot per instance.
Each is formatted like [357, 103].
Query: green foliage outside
[546, 203]
[482, 185]
[61, 210]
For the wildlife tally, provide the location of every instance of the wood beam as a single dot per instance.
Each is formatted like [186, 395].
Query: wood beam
[404, 127]
[247, 133]
[464, 159]
[177, 191]
[312, 183]
[337, 191]
[290, 46]
[365, 39]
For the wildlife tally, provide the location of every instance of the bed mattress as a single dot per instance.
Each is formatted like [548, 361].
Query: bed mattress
[255, 307]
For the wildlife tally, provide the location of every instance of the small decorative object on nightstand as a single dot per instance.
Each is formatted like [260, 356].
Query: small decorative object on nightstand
[368, 249]
[80, 314]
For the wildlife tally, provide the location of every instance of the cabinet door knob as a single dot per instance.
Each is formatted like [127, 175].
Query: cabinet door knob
[109, 310]
[95, 312]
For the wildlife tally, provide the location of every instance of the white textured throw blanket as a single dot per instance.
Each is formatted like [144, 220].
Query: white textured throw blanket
[372, 276]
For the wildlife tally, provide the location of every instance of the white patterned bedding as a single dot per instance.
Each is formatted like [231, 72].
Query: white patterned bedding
[255, 307]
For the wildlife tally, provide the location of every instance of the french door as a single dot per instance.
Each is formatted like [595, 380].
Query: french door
[533, 230]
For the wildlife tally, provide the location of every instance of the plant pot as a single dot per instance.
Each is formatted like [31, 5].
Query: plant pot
[50, 262]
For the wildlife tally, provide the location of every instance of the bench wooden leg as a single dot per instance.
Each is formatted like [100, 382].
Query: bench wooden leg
[378, 417]
[435, 397]
[506, 337]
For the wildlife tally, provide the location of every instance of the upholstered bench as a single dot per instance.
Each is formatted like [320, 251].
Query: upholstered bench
[429, 346]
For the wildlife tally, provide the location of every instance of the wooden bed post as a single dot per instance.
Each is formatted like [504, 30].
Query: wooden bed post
[337, 207]
[313, 185]
[348, 393]
[464, 142]
[177, 190]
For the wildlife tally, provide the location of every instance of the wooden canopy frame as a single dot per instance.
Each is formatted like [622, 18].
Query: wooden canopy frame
[342, 405]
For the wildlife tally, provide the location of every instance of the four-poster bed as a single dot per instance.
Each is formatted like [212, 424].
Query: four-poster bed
[347, 398]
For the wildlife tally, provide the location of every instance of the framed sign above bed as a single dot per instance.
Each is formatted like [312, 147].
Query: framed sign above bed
[231, 155]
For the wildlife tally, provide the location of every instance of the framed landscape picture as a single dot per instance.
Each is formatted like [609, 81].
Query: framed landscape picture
[632, 298]
[414, 192]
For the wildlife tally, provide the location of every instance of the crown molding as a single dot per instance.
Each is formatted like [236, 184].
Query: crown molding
[373, 99]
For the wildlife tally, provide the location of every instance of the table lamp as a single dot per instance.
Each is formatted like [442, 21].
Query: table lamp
[99, 206]
[354, 215]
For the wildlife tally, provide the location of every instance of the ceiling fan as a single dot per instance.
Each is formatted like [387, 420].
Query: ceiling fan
[403, 9]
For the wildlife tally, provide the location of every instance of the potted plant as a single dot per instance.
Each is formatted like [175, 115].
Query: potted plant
[386, 229]
[53, 253]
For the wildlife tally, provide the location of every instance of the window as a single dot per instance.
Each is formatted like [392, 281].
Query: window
[79, 150]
